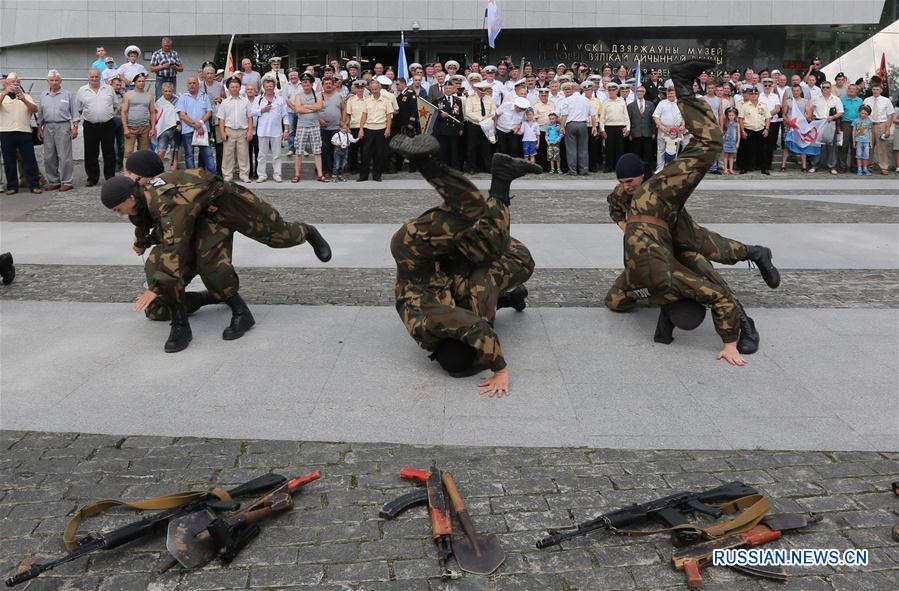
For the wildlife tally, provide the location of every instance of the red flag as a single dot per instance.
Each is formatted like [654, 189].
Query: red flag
[882, 72]
[229, 63]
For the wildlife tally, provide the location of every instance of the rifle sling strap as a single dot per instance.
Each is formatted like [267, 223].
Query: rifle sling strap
[754, 508]
[158, 503]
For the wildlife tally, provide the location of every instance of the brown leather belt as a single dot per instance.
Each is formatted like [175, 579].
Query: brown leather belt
[647, 219]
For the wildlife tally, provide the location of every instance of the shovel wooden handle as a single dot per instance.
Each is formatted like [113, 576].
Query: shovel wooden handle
[449, 483]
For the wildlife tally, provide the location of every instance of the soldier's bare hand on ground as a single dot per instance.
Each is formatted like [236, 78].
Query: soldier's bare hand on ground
[730, 354]
[496, 386]
[141, 303]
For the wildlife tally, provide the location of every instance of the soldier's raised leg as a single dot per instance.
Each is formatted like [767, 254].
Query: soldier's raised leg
[242, 211]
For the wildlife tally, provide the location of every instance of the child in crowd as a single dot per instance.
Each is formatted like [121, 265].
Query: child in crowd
[731, 139]
[553, 138]
[861, 139]
[341, 142]
[530, 136]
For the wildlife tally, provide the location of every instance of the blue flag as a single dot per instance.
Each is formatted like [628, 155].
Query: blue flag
[494, 24]
[637, 78]
[402, 66]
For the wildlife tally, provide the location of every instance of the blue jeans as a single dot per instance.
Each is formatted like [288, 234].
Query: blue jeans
[119, 143]
[339, 160]
[205, 153]
[293, 131]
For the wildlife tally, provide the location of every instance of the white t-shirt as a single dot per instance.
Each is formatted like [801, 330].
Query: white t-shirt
[530, 131]
[881, 107]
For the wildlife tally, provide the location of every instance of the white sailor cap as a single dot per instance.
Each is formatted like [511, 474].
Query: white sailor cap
[483, 85]
[612, 86]
[353, 64]
[594, 77]
[520, 82]
[359, 82]
[458, 78]
[384, 80]
[587, 84]
[669, 84]
[132, 48]
[451, 63]
[274, 60]
[474, 76]
[415, 66]
[489, 69]
[543, 90]
[522, 103]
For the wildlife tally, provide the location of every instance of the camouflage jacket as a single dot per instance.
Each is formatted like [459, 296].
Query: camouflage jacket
[175, 200]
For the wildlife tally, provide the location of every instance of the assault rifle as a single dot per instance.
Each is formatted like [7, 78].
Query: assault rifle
[672, 511]
[144, 527]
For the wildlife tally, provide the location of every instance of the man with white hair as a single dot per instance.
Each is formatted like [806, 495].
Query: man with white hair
[95, 104]
[16, 109]
[57, 127]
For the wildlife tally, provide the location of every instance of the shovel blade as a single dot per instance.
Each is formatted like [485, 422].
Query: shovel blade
[185, 544]
[790, 521]
[489, 557]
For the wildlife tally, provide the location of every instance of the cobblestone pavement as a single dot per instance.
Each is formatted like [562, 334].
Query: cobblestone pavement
[334, 540]
[801, 288]
[529, 207]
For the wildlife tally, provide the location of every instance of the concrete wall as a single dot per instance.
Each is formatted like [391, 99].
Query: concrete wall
[25, 22]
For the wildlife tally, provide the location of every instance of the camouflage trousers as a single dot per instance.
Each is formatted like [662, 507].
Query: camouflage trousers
[690, 236]
[212, 246]
[453, 262]
[651, 267]
[238, 210]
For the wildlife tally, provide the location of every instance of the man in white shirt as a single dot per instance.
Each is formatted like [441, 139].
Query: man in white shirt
[773, 101]
[882, 118]
[614, 125]
[670, 124]
[168, 131]
[273, 126]
[95, 104]
[509, 117]
[830, 108]
[236, 130]
[574, 111]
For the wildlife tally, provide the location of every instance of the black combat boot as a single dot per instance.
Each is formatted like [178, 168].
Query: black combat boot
[7, 269]
[683, 74]
[504, 169]
[319, 245]
[748, 342]
[664, 328]
[514, 298]
[194, 300]
[761, 256]
[241, 318]
[421, 151]
[180, 335]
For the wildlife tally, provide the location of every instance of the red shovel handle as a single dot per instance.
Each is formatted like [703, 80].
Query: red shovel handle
[299, 481]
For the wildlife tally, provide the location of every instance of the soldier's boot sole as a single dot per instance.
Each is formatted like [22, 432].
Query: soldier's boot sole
[413, 148]
[319, 245]
[7, 269]
[684, 73]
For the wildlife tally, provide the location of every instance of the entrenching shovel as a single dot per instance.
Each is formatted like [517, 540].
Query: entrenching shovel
[191, 539]
[479, 554]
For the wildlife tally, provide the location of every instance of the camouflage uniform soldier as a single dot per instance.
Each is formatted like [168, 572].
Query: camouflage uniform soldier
[195, 214]
[455, 260]
[651, 269]
[694, 247]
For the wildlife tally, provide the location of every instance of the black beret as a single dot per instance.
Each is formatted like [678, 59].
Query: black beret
[145, 163]
[116, 190]
[629, 166]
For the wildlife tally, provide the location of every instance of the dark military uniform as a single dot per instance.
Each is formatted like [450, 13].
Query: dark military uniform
[196, 215]
[453, 261]
[651, 268]
[448, 129]
[406, 120]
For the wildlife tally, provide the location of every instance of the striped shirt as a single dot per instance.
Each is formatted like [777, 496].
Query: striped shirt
[160, 57]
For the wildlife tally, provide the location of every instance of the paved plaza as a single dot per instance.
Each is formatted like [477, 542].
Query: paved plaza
[599, 416]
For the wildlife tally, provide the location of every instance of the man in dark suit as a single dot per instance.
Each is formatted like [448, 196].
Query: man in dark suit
[643, 129]
[449, 125]
[435, 93]
[654, 85]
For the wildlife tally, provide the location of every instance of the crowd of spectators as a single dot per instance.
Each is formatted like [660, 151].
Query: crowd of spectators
[573, 119]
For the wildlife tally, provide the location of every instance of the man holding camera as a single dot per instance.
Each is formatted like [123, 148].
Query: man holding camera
[16, 110]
